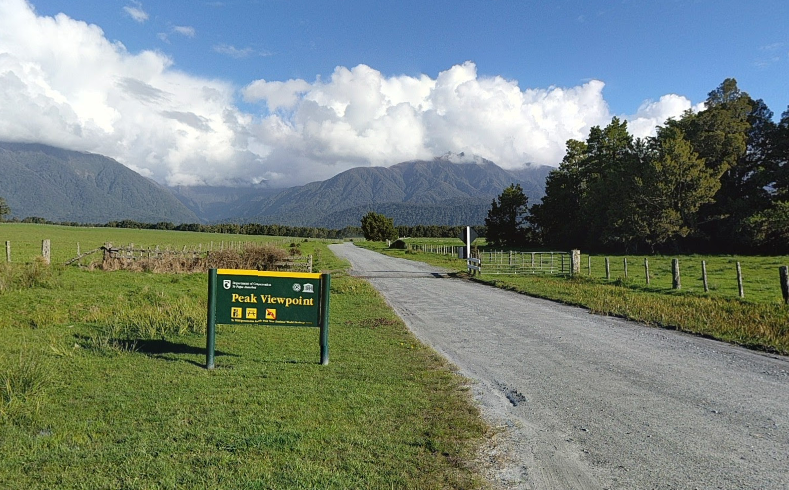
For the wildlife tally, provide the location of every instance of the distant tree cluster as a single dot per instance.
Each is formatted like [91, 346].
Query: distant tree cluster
[711, 181]
[227, 228]
[435, 231]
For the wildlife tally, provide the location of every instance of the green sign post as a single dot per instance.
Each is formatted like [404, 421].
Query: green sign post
[294, 299]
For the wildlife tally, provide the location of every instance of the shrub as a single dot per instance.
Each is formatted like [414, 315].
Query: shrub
[399, 244]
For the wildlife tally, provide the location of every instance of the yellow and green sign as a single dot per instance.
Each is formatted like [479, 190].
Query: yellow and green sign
[293, 299]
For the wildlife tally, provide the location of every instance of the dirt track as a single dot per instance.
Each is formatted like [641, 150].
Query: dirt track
[594, 402]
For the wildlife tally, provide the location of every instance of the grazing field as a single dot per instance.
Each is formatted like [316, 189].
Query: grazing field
[759, 321]
[102, 385]
[759, 274]
[26, 240]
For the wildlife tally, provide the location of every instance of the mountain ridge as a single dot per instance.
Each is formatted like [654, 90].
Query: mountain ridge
[67, 186]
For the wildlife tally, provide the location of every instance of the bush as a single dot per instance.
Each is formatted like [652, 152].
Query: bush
[263, 257]
[399, 244]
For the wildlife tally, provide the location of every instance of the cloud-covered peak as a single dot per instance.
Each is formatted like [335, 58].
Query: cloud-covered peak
[63, 83]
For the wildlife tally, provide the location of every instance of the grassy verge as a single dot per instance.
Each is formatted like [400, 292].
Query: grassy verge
[102, 386]
[755, 324]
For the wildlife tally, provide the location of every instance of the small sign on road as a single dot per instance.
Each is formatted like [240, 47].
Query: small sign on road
[468, 233]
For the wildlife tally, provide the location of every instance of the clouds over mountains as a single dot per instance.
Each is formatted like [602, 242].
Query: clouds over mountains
[62, 82]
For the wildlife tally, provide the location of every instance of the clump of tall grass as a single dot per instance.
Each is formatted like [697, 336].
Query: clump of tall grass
[22, 383]
[36, 274]
[150, 316]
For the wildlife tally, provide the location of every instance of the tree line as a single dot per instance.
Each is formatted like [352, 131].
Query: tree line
[714, 181]
[384, 232]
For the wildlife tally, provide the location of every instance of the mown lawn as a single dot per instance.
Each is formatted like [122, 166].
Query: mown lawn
[103, 385]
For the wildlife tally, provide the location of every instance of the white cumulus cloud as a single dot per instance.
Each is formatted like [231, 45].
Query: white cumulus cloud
[654, 113]
[63, 83]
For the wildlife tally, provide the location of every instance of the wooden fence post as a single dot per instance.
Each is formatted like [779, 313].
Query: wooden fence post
[589, 264]
[646, 269]
[783, 273]
[607, 270]
[8, 251]
[575, 262]
[704, 276]
[625, 264]
[46, 251]
[675, 281]
[739, 280]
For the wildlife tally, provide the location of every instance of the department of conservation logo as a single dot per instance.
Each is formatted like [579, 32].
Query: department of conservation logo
[226, 283]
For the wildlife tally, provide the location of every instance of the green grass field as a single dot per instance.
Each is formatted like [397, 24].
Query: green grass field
[103, 385]
[26, 240]
[759, 274]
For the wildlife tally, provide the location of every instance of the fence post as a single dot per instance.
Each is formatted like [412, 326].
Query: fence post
[646, 269]
[607, 270]
[625, 264]
[8, 251]
[675, 281]
[589, 264]
[783, 273]
[46, 251]
[739, 280]
[704, 276]
[575, 262]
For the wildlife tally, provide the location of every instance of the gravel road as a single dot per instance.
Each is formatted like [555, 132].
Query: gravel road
[594, 402]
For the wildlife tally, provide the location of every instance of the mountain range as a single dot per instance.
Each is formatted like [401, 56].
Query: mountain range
[68, 186]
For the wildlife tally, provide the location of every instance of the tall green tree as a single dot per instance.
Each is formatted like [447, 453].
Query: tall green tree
[378, 228]
[507, 223]
[719, 135]
[607, 178]
[557, 219]
[672, 183]
[768, 229]
[779, 161]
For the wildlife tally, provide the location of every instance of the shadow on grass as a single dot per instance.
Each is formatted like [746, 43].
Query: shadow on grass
[151, 347]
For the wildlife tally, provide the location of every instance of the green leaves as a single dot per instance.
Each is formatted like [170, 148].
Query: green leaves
[506, 222]
[709, 179]
[377, 227]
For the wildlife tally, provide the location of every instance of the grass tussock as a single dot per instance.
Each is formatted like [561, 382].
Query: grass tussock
[36, 274]
[22, 383]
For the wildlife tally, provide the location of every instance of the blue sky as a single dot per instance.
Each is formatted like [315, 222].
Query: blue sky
[305, 89]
